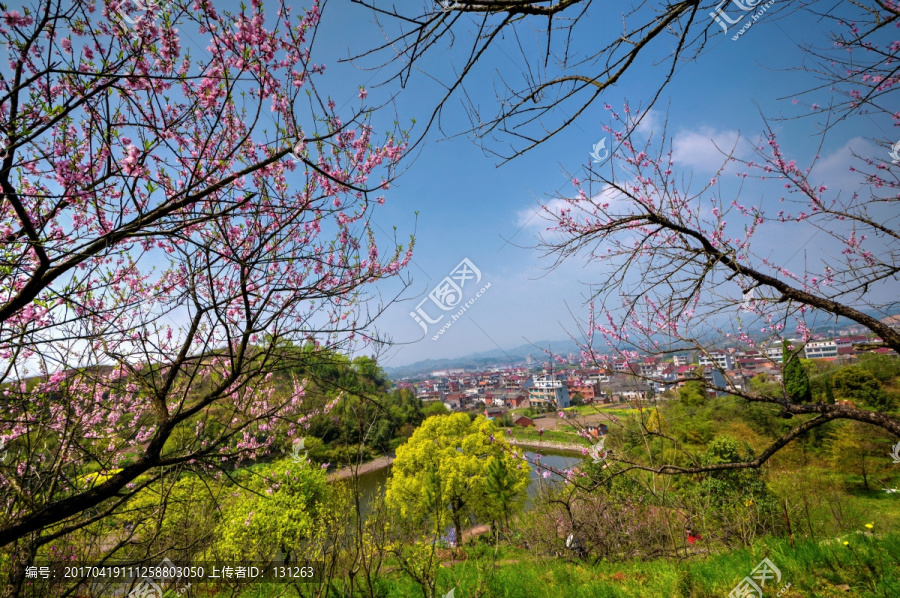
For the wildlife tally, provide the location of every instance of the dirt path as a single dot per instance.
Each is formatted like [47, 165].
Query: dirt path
[551, 422]
[346, 472]
[473, 532]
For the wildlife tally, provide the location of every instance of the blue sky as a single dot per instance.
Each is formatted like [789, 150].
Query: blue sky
[467, 205]
[461, 204]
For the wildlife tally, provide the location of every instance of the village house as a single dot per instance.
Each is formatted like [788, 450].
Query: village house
[455, 401]
[548, 391]
[589, 392]
[494, 412]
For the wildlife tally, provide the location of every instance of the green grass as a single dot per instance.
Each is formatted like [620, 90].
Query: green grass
[531, 435]
[618, 411]
[869, 566]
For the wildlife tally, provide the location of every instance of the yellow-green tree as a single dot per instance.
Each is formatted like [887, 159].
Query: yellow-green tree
[655, 421]
[441, 475]
[281, 507]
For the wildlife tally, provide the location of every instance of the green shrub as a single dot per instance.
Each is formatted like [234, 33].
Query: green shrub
[859, 384]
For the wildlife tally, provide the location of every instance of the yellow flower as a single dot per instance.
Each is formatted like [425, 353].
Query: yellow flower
[870, 525]
[846, 543]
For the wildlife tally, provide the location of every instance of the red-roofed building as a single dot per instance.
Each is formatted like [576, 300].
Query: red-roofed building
[753, 364]
[684, 371]
[525, 422]
[849, 341]
[884, 351]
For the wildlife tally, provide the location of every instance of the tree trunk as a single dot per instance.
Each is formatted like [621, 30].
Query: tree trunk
[457, 520]
[22, 554]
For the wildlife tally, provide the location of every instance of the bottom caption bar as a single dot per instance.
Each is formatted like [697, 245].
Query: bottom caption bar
[168, 572]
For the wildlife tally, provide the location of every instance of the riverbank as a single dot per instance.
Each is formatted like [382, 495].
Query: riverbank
[347, 472]
[575, 449]
[386, 460]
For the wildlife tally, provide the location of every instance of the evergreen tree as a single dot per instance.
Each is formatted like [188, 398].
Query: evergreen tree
[829, 394]
[796, 380]
[501, 491]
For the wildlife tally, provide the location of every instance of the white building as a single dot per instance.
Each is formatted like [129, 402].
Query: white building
[775, 352]
[820, 349]
[718, 359]
[849, 341]
[549, 390]
[597, 376]
[680, 360]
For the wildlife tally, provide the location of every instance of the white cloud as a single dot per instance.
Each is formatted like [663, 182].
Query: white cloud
[706, 148]
[539, 217]
[833, 170]
[651, 122]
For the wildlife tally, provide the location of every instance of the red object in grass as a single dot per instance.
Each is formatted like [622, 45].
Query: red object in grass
[692, 538]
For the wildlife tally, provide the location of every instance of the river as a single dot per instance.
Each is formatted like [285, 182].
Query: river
[374, 481]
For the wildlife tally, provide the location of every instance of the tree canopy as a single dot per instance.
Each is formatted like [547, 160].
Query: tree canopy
[174, 224]
[454, 467]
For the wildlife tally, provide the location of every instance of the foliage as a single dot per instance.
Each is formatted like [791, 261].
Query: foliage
[174, 221]
[858, 384]
[435, 408]
[602, 524]
[440, 475]
[280, 507]
[368, 419]
[655, 421]
[692, 394]
[178, 516]
[796, 378]
[502, 491]
[861, 450]
[739, 503]
[372, 420]
[883, 367]
[337, 373]
[727, 483]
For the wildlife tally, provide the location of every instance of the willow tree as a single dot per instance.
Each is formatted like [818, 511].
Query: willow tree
[443, 474]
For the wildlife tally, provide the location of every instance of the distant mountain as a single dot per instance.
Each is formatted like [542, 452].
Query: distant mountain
[486, 359]
[517, 355]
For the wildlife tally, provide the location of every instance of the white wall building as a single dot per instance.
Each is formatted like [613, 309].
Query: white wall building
[774, 352]
[598, 377]
[718, 359]
[680, 360]
[549, 389]
[820, 349]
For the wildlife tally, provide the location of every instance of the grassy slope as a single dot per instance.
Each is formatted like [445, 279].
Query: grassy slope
[870, 566]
